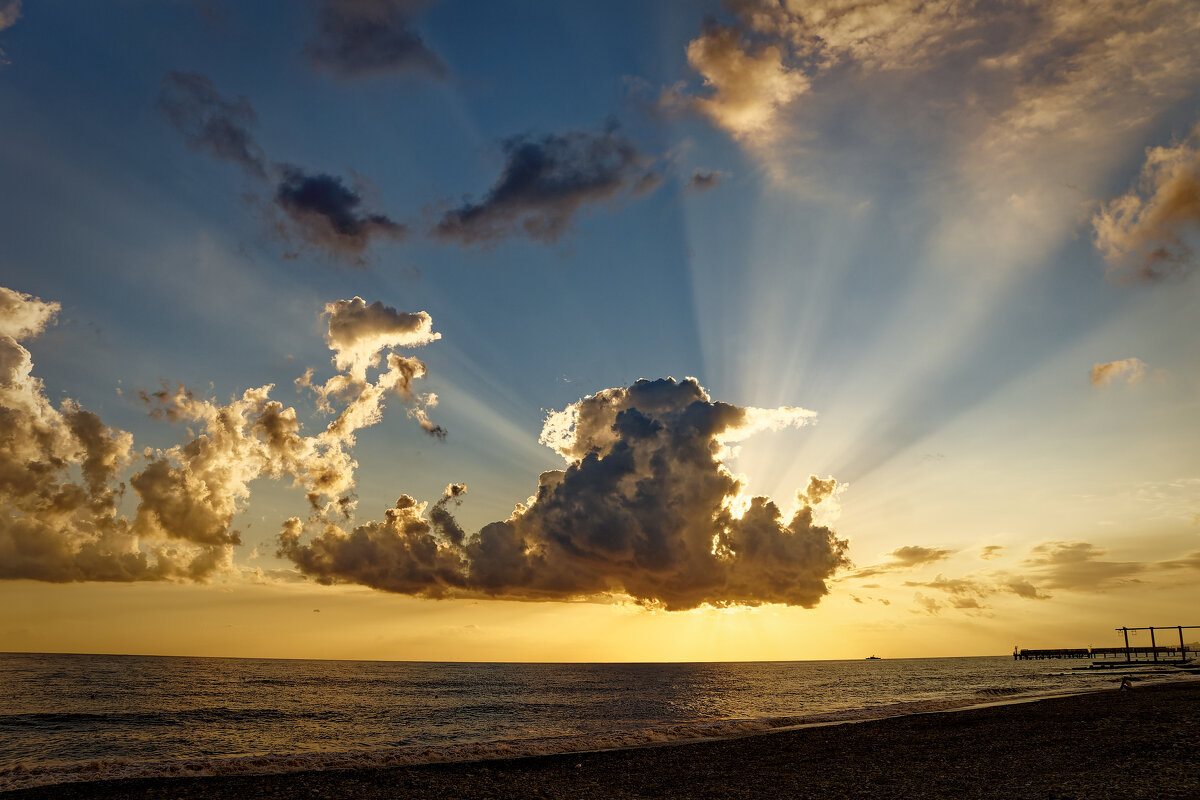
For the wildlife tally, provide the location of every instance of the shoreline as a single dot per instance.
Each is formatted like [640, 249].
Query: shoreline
[1145, 742]
[17, 777]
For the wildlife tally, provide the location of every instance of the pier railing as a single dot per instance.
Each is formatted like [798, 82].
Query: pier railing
[1172, 653]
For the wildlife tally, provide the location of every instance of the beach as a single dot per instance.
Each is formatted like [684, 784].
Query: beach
[1143, 743]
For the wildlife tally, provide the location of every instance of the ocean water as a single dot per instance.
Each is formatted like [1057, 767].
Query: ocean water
[89, 717]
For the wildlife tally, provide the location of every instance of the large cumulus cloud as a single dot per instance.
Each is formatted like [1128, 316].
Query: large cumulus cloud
[58, 493]
[645, 508]
[59, 466]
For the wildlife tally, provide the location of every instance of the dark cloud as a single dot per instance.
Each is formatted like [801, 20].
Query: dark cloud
[991, 551]
[319, 210]
[702, 180]
[327, 214]
[645, 508]
[443, 521]
[211, 122]
[366, 38]
[398, 554]
[545, 183]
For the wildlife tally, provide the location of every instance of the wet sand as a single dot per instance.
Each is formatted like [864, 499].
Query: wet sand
[1143, 743]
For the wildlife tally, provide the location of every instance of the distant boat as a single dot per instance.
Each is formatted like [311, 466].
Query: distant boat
[873, 658]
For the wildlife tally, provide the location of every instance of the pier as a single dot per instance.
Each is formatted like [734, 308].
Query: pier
[1179, 653]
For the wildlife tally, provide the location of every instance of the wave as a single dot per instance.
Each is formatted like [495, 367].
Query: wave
[59, 720]
[1008, 691]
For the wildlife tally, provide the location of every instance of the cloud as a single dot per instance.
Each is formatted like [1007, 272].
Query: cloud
[904, 558]
[58, 527]
[545, 183]
[326, 214]
[1189, 561]
[1080, 566]
[318, 209]
[358, 333]
[702, 180]
[1023, 588]
[755, 69]
[928, 604]
[1177, 499]
[398, 554]
[991, 551]
[969, 591]
[964, 593]
[54, 527]
[361, 336]
[747, 87]
[915, 555]
[368, 38]
[1147, 233]
[23, 316]
[1067, 566]
[1029, 96]
[210, 122]
[644, 509]
[10, 12]
[1131, 370]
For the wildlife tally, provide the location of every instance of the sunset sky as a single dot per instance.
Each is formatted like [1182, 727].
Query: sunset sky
[831, 327]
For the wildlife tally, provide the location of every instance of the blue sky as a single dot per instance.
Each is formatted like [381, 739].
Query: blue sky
[961, 236]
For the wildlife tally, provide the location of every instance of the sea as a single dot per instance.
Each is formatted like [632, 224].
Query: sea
[94, 717]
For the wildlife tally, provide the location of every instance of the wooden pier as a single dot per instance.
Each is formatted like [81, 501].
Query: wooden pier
[1115, 656]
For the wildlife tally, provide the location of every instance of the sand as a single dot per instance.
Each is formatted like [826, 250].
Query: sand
[1143, 743]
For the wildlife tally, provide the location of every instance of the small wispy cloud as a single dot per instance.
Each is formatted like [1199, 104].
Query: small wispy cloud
[10, 12]
[369, 38]
[902, 559]
[1128, 370]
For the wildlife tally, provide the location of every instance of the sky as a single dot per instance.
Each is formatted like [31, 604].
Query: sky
[597, 331]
